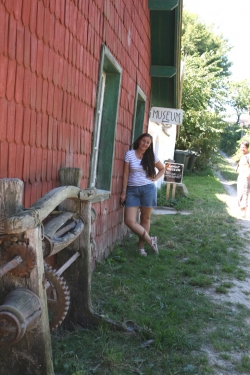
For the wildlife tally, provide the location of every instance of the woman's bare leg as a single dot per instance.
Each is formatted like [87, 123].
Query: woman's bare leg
[145, 223]
[130, 219]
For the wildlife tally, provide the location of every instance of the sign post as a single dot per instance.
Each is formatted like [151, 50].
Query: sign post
[173, 175]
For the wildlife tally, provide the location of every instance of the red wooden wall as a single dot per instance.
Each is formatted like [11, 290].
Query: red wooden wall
[49, 64]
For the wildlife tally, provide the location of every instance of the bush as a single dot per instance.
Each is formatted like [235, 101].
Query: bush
[229, 139]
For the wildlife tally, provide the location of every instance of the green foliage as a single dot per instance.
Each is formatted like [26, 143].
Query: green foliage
[204, 88]
[239, 97]
[229, 139]
[198, 38]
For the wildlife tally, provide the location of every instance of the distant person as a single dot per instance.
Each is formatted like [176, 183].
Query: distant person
[139, 190]
[243, 181]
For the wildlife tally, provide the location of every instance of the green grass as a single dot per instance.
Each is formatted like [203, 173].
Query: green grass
[165, 295]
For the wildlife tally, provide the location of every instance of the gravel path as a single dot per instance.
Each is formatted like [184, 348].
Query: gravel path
[241, 290]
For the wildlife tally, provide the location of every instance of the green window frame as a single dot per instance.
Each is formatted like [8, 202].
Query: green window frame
[139, 113]
[108, 95]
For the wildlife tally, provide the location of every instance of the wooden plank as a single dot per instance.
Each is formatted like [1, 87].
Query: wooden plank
[162, 4]
[162, 71]
[167, 191]
[173, 190]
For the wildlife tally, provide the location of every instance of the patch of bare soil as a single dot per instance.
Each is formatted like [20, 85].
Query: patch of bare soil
[240, 292]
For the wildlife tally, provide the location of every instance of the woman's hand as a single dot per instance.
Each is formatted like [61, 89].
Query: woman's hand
[123, 196]
[161, 169]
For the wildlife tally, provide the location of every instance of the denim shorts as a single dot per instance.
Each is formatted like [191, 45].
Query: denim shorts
[141, 196]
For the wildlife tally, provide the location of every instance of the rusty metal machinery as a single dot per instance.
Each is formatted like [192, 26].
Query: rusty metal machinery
[58, 297]
[19, 259]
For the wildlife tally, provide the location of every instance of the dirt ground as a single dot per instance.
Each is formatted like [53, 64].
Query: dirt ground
[240, 292]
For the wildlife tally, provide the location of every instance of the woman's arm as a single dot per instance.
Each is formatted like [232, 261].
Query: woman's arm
[161, 170]
[124, 181]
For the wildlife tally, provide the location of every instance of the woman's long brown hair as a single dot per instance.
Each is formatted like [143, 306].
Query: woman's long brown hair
[148, 159]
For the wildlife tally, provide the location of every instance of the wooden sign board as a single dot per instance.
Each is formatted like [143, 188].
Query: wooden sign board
[166, 115]
[173, 172]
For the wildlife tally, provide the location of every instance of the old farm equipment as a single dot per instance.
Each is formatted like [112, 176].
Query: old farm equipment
[34, 298]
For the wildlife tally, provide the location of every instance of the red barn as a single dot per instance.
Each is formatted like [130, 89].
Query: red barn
[77, 79]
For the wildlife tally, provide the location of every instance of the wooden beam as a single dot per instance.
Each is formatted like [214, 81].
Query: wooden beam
[33, 216]
[162, 71]
[162, 4]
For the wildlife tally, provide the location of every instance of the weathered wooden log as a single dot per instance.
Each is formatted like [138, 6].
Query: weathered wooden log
[11, 192]
[32, 217]
[70, 176]
[18, 314]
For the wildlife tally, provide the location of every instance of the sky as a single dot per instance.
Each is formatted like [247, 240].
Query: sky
[231, 18]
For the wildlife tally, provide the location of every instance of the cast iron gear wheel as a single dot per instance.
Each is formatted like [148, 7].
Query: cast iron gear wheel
[28, 255]
[58, 297]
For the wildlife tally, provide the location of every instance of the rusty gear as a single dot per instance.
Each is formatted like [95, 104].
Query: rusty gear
[58, 297]
[28, 255]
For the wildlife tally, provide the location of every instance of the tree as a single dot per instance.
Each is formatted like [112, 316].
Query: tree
[204, 86]
[198, 38]
[239, 97]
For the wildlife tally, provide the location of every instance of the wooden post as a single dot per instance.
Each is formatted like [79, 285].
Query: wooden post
[11, 195]
[173, 190]
[32, 354]
[167, 191]
[169, 184]
[78, 275]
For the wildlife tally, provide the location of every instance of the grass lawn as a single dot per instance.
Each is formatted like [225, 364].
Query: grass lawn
[164, 294]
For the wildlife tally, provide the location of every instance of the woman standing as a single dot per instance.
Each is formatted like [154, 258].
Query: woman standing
[139, 190]
[243, 178]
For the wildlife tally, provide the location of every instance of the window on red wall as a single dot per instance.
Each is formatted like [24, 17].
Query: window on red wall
[139, 112]
[105, 121]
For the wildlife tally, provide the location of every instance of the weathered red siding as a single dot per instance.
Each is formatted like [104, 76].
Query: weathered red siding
[49, 64]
